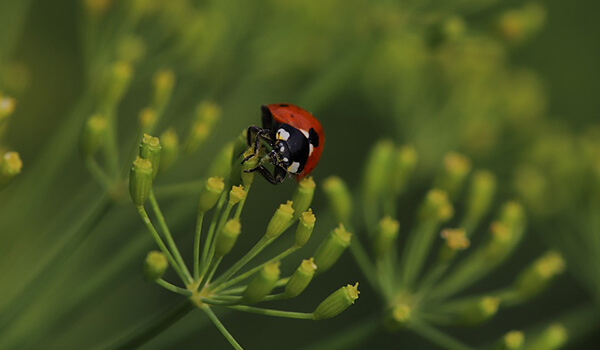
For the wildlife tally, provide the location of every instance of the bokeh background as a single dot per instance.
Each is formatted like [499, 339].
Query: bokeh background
[511, 84]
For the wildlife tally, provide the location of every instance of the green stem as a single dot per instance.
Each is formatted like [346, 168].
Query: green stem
[197, 237]
[274, 313]
[252, 271]
[237, 290]
[211, 231]
[160, 243]
[213, 268]
[212, 243]
[215, 302]
[169, 238]
[155, 327]
[415, 253]
[436, 336]
[173, 288]
[258, 247]
[222, 328]
[238, 211]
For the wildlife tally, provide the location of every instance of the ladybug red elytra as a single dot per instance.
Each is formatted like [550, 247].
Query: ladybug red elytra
[296, 139]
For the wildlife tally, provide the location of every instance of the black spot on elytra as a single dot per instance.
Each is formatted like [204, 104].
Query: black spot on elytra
[313, 137]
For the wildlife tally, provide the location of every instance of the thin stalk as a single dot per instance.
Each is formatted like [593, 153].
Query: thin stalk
[416, 251]
[436, 336]
[222, 328]
[174, 288]
[254, 270]
[238, 211]
[163, 225]
[212, 243]
[237, 290]
[160, 243]
[258, 247]
[274, 313]
[211, 231]
[154, 327]
[215, 302]
[197, 236]
[211, 271]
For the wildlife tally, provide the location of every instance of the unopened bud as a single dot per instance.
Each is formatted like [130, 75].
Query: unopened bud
[513, 215]
[512, 340]
[436, 206]
[252, 162]
[140, 181]
[404, 165]
[228, 236]
[164, 80]
[538, 275]
[262, 284]
[198, 134]
[10, 167]
[155, 266]
[337, 302]
[456, 240]
[147, 118]
[479, 311]
[208, 112]
[301, 278]
[7, 106]
[151, 149]
[303, 196]
[280, 220]
[332, 248]
[306, 225]
[339, 198]
[117, 82]
[377, 170]
[481, 194]
[453, 175]
[554, 337]
[210, 194]
[92, 135]
[385, 237]
[236, 195]
[170, 149]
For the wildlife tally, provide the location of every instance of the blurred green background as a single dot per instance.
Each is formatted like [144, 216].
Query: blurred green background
[517, 95]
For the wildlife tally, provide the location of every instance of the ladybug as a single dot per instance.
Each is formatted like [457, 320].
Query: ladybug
[296, 140]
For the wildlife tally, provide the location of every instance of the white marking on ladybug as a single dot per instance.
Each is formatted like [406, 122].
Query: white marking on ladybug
[311, 148]
[306, 134]
[283, 135]
[285, 159]
[294, 167]
[281, 149]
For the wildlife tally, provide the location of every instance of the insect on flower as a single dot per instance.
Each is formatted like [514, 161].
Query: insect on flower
[295, 137]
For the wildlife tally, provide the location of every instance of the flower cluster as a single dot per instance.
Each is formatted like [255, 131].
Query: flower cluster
[421, 284]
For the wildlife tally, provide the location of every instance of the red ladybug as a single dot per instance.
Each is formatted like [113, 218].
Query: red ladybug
[296, 139]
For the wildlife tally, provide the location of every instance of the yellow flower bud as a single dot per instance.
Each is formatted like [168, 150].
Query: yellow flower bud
[337, 302]
[236, 194]
[93, 134]
[228, 236]
[332, 248]
[151, 149]
[155, 266]
[170, 149]
[305, 227]
[385, 237]
[262, 283]
[210, 194]
[280, 220]
[164, 81]
[140, 181]
[10, 167]
[303, 196]
[339, 197]
[301, 278]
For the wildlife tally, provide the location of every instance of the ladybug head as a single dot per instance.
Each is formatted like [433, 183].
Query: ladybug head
[280, 155]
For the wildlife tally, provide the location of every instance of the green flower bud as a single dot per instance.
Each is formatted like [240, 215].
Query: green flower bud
[339, 198]
[513, 215]
[93, 134]
[10, 167]
[305, 227]
[554, 337]
[208, 112]
[332, 248]
[456, 240]
[7, 106]
[280, 220]
[303, 196]
[251, 163]
[117, 82]
[236, 194]
[377, 170]
[150, 149]
[147, 119]
[262, 284]
[155, 266]
[301, 278]
[436, 207]
[481, 194]
[512, 340]
[385, 237]
[164, 81]
[140, 181]
[170, 149]
[404, 165]
[210, 194]
[226, 239]
[453, 175]
[221, 164]
[337, 302]
[198, 134]
[479, 311]
[398, 317]
[538, 275]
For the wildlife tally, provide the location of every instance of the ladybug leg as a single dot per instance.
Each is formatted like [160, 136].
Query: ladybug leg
[261, 134]
[274, 179]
